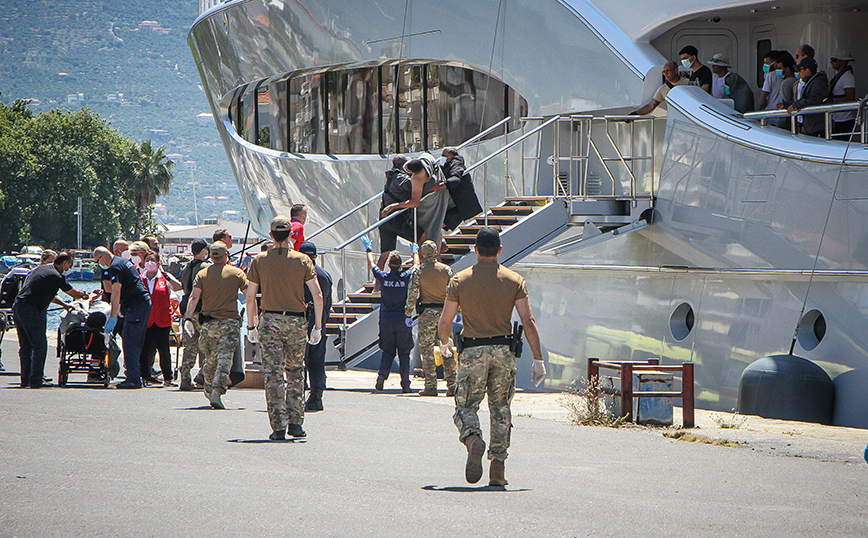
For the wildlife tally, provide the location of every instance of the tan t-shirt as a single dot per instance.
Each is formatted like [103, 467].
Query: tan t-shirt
[486, 294]
[220, 284]
[432, 283]
[282, 274]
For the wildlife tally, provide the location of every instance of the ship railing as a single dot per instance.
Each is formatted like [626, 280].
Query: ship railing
[764, 116]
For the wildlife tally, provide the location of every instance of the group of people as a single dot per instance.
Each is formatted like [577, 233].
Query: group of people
[789, 83]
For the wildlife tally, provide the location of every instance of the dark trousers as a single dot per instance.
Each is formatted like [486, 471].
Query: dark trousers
[156, 340]
[314, 362]
[135, 325]
[396, 336]
[32, 343]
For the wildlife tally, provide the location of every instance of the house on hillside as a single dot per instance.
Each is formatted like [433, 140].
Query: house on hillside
[152, 26]
[205, 118]
[75, 99]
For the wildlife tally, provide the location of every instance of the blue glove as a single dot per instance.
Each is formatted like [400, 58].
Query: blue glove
[414, 248]
[110, 324]
[369, 245]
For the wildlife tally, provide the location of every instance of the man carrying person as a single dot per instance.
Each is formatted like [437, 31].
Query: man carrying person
[199, 248]
[426, 295]
[30, 312]
[671, 79]
[129, 297]
[220, 324]
[298, 216]
[460, 187]
[314, 355]
[282, 274]
[487, 293]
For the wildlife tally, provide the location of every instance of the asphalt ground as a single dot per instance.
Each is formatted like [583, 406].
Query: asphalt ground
[87, 461]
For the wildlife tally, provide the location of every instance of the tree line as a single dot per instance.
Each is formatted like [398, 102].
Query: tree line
[48, 160]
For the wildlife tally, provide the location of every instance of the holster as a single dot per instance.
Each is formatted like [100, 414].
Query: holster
[458, 341]
[517, 343]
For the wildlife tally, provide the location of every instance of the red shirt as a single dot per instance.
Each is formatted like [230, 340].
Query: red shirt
[297, 234]
[161, 306]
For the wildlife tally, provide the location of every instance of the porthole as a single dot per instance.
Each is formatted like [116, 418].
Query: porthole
[681, 321]
[812, 329]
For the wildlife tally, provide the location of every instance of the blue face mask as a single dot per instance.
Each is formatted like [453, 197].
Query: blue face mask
[798, 76]
[766, 68]
[779, 73]
[686, 63]
[726, 90]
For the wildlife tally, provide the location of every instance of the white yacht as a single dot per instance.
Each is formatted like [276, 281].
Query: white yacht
[694, 234]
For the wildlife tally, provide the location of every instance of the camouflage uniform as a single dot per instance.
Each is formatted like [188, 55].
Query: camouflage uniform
[486, 370]
[191, 348]
[282, 341]
[217, 341]
[428, 321]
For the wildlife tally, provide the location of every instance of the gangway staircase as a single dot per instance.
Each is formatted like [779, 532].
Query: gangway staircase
[526, 223]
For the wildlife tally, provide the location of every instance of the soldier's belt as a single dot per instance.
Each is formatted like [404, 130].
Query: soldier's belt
[488, 341]
[430, 305]
[284, 313]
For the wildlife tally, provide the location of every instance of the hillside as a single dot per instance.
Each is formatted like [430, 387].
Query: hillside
[139, 77]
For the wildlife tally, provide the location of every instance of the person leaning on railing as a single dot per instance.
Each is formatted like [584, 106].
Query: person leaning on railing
[814, 94]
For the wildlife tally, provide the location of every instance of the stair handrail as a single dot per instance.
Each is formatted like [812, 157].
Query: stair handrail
[479, 163]
[379, 194]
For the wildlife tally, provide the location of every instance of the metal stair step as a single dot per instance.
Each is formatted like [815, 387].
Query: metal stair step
[459, 239]
[352, 308]
[498, 220]
[364, 297]
[511, 210]
[473, 228]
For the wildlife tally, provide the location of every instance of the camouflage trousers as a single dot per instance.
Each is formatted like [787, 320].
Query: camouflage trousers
[191, 348]
[282, 341]
[486, 370]
[217, 341]
[429, 319]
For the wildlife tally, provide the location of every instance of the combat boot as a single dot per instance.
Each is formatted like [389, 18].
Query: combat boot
[450, 391]
[496, 476]
[186, 383]
[295, 430]
[199, 379]
[278, 435]
[314, 401]
[475, 451]
[379, 385]
[216, 403]
[428, 392]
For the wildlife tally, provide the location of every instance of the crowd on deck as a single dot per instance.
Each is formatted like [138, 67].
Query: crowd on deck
[789, 83]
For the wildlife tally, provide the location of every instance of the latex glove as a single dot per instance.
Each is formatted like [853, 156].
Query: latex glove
[446, 349]
[189, 328]
[537, 372]
[253, 335]
[315, 336]
[110, 325]
[369, 245]
[414, 248]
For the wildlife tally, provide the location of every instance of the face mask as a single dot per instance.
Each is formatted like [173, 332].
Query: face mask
[151, 266]
[103, 267]
[726, 90]
[798, 76]
[686, 63]
[779, 73]
[125, 254]
[136, 260]
[766, 68]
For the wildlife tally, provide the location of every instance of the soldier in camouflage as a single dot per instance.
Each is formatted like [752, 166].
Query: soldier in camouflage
[199, 248]
[282, 274]
[427, 292]
[220, 324]
[487, 293]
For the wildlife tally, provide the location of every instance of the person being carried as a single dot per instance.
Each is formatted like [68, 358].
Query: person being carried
[671, 78]
[487, 293]
[398, 189]
[430, 212]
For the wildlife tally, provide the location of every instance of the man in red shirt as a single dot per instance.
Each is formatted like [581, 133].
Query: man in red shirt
[298, 216]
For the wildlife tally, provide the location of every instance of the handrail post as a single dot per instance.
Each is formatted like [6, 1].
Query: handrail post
[485, 191]
[346, 296]
[687, 395]
[627, 391]
[593, 368]
[827, 125]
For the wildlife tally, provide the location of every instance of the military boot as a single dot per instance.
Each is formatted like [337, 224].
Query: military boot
[450, 391]
[379, 385]
[496, 477]
[199, 379]
[186, 381]
[475, 451]
[295, 430]
[216, 403]
[278, 435]
[314, 401]
[428, 392]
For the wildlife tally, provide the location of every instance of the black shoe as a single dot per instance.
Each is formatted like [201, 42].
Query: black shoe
[42, 386]
[406, 390]
[295, 430]
[314, 401]
[199, 379]
[128, 384]
[46, 380]
[278, 435]
[379, 385]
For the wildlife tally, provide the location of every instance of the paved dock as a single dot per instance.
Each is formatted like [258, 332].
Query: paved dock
[87, 461]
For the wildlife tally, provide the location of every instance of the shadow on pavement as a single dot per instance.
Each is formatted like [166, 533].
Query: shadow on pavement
[266, 441]
[469, 489]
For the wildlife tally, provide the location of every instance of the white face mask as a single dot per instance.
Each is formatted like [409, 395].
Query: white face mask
[686, 63]
[126, 255]
[136, 260]
[103, 267]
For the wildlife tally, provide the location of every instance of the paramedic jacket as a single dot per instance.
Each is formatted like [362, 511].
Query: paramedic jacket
[393, 291]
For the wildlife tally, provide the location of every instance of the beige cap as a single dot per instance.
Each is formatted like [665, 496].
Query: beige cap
[840, 54]
[218, 248]
[428, 249]
[721, 60]
[281, 223]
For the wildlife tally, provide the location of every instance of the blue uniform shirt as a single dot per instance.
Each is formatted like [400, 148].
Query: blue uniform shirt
[393, 291]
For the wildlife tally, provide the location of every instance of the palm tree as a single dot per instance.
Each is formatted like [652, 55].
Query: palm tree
[152, 177]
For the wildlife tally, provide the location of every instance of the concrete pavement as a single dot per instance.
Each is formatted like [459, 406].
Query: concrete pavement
[159, 462]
